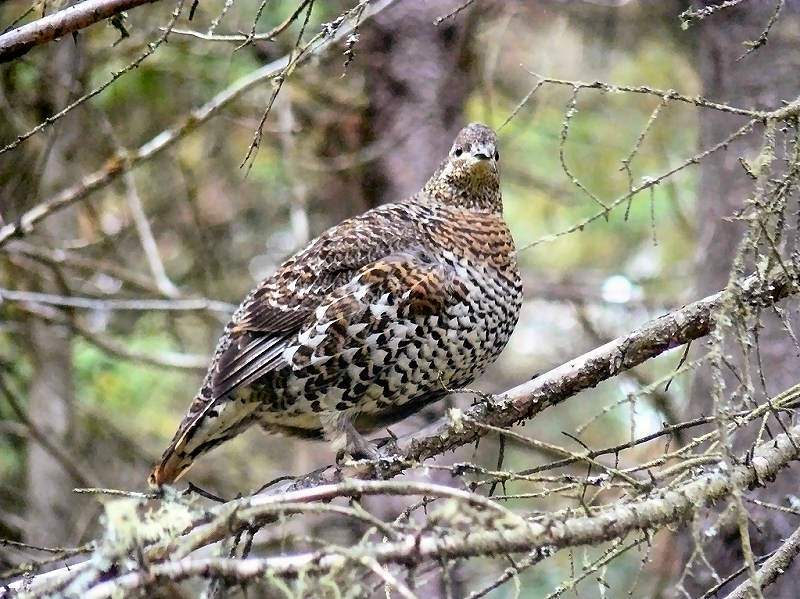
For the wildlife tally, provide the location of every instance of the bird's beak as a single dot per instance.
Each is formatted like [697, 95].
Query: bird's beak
[483, 151]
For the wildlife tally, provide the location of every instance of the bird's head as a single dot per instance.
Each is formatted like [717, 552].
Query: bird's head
[470, 176]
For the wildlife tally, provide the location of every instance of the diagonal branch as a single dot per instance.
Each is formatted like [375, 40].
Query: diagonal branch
[19, 41]
[525, 401]
[778, 563]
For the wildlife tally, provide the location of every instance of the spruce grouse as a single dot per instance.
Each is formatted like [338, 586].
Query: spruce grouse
[371, 321]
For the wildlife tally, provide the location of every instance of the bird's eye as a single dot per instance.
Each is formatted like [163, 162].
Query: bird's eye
[496, 156]
[458, 151]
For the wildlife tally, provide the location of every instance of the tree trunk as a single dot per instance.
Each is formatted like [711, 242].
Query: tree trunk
[762, 79]
[49, 488]
[418, 78]
[51, 392]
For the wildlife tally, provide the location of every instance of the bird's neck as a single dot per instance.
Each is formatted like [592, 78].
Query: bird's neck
[482, 194]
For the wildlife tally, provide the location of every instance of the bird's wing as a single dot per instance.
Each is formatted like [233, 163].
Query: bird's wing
[394, 289]
[269, 321]
[414, 279]
[273, 313]
[270, 317]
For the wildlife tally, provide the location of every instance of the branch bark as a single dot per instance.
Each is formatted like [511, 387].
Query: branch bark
[19, 41]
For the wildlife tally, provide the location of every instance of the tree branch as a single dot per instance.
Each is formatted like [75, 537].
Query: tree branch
[507, 535]
[522, 402]
[19, 41]
[110, 304]
[776, 565]
[528, 399]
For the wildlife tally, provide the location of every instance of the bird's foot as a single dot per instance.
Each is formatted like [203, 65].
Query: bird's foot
[351, 446]
[346, 440]
[357, 448]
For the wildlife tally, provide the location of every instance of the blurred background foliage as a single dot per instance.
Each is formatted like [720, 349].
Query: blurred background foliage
[219, 227]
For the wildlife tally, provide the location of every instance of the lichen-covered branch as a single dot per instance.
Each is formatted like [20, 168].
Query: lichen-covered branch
[776, 565]
[506, 533]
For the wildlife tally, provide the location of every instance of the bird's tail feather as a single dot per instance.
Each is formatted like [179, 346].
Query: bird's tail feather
[199, 433]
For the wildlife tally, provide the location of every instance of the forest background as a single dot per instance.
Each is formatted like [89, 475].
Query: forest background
[646, 164]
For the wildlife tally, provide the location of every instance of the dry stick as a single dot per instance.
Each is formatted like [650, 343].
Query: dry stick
[100, 304]
[762, 39]
[511, 572]
[296, 54]
[61, 550]
[655, 511]
[118, 164]
[670, 94]
[776, 565]
[528, 474]
[603, 560]
[572, 110]
[147, 239]
[536, 444]
[688, 15]
[772, 506]
[263, 37]
[31, 567]
[461, 7]
[73, 18]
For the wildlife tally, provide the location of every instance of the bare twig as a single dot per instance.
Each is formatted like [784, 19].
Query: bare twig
[146, 238]
[150, 49]
[461, 7]
[90, 303]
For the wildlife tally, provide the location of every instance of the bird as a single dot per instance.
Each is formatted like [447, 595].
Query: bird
[374, 319]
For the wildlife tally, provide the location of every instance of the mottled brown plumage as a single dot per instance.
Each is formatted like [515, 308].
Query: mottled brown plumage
[370, 321]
